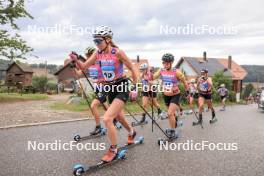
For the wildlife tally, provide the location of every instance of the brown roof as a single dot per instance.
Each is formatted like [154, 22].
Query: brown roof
[197, 64]
[213, 65]
[238, 73]
[24, 67]
[136, 64]
[67, 61]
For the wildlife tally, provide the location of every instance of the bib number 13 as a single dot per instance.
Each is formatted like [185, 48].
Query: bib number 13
[109, 75]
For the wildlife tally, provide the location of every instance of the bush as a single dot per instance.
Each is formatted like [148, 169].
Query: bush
[232, 96]
[51, 85]
[3, 89]
[11, 89]
[40, 83]
[215, 95]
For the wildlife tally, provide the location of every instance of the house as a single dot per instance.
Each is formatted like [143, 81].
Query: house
[66, 77]
[191, 66]
[238, 73]
[19, 74]
[4, 64]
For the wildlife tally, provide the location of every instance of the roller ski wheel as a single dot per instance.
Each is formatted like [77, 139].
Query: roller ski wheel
[213, 120]
[78, 138]
[103, 131]
[78, 170]
[160, 141]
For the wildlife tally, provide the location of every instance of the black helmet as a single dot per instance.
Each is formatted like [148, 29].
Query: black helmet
[167, 57]
[204, 70]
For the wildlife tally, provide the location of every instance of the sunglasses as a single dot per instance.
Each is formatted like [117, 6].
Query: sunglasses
[166, 62]
[98, 41]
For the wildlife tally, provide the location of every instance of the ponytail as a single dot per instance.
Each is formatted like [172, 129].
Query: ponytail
[113, 44]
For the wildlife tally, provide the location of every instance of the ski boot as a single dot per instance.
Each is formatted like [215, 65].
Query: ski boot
[200, 120]
[97, 130]
[172, 134]
[163, 115]
[214, 119]
[117, 124]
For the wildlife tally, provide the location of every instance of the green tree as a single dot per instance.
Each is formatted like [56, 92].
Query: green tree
[248, 90]
[218, 79]
[40, 83]
[12, 46]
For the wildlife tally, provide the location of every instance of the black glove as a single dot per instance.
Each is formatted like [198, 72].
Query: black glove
[78, 56]
[186, 93]
[133, 87]
[101, 97]
[72, 64]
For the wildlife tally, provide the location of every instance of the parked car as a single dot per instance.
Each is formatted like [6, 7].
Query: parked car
[261, 100]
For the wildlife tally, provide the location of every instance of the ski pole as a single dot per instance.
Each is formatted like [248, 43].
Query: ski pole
[84, 93]
[193, 111]
[131, 115]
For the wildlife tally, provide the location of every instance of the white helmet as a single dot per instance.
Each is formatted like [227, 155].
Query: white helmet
[143, 66]
[192, 80]
[103, 31]
[222, 85]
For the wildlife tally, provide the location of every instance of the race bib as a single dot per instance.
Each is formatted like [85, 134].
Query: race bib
[109, 75]
[204, 87]
[167, 86]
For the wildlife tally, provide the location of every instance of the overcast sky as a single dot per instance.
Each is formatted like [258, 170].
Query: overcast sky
[148, 28]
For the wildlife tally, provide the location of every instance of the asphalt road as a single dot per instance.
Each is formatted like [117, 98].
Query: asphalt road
[242, 124]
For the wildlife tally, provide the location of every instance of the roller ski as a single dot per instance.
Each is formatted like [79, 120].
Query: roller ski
[142, 122]
[98, 132]
[79, 169]
[172, 136]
